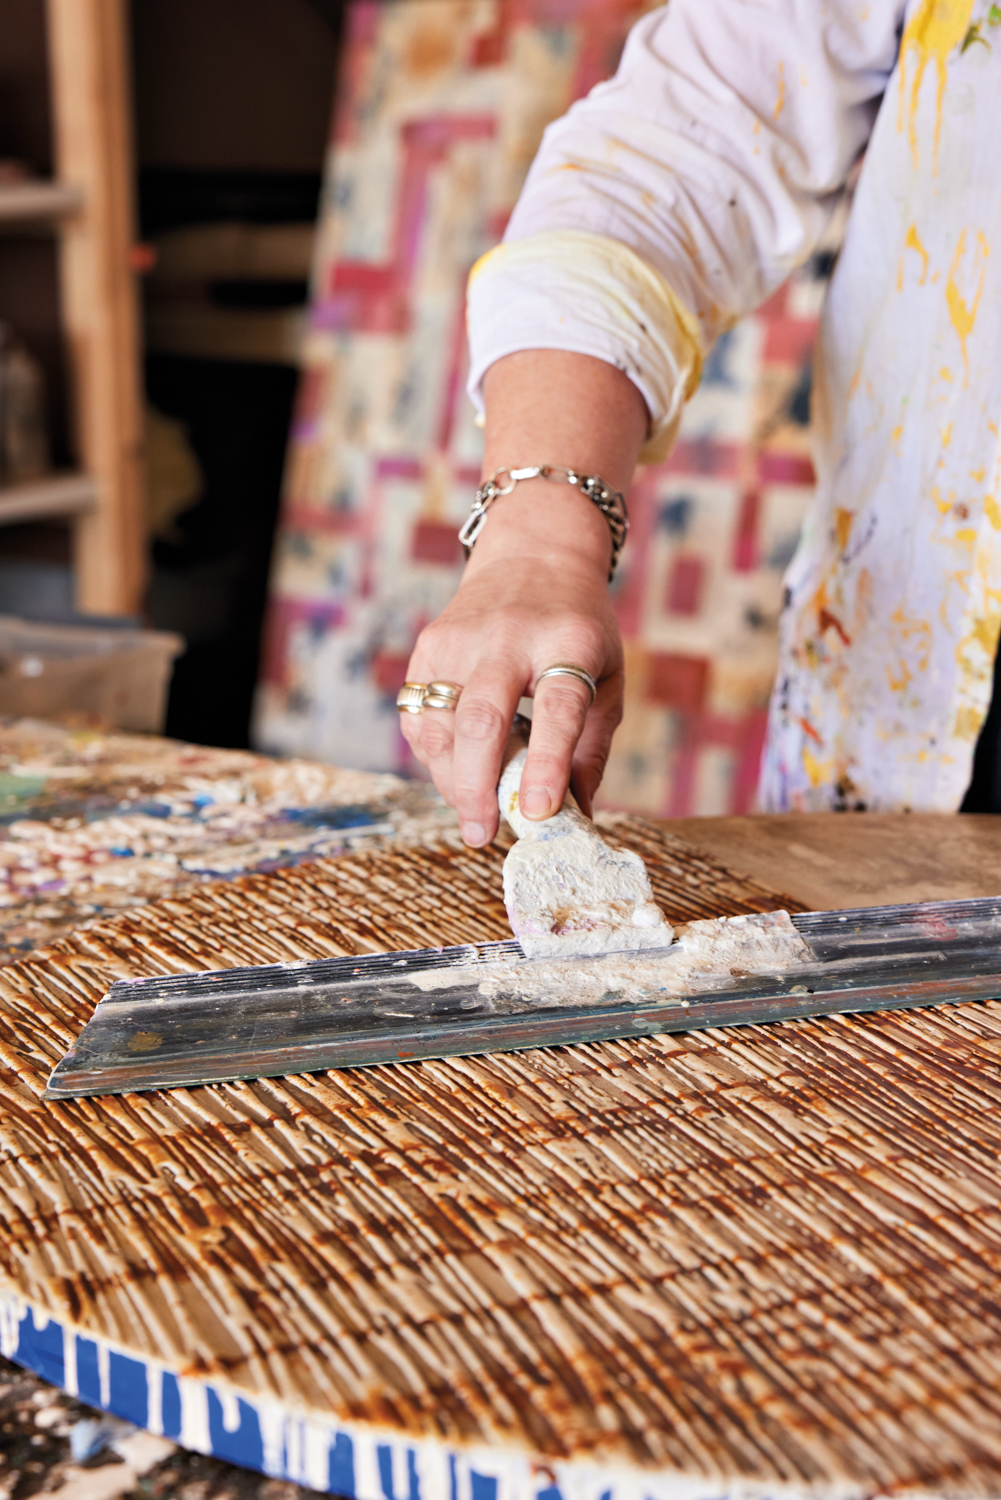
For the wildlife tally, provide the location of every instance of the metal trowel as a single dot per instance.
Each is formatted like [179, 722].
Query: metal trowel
[593, 959]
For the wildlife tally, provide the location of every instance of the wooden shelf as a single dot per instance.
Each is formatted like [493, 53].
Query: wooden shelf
[38, 202]
[55, 495]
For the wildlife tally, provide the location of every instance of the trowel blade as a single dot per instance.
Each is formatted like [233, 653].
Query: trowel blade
[192, 1029]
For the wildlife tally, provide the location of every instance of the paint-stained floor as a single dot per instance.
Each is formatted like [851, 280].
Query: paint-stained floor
[51, 1444]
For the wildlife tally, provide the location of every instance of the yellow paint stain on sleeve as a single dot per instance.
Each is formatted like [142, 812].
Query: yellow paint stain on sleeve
[843, 521]
[913, 242]
[962, 313]
[781, 97]
[968, 723]
[896, 435]
[934, 30]
[817, 770]
[946, 373]
[947, 435]
[916, 633]
[902, 680]
[985, 632]
[993, 511]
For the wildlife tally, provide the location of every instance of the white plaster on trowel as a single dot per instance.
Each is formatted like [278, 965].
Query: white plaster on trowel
[708, 955]
[567, 892]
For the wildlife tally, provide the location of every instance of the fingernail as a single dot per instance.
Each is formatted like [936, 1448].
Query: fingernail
[535, 801]
[474, 834]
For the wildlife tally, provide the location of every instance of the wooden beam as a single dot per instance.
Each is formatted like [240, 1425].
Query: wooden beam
[38, 202]
[55, 495]
[93, 133]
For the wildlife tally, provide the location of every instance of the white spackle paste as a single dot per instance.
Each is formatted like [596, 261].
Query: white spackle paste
[708, 955]
[566, 891]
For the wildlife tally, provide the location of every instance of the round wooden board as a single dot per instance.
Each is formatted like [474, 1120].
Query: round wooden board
[753, 1262]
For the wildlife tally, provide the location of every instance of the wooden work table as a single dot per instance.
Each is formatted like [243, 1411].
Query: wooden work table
[838, 860]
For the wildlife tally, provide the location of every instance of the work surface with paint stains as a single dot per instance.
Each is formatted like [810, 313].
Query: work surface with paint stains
[708, 1264]
[92, 823]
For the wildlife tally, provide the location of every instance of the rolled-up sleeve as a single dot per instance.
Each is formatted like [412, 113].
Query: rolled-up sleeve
[681, 193]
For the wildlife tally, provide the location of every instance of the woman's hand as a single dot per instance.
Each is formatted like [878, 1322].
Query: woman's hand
[514, 616]
[534, 595]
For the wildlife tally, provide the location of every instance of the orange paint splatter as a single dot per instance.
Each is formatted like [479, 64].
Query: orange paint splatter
[781, 99]
[826, 620]
[843, 520]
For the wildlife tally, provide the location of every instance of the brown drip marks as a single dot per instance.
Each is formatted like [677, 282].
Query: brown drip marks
[770, 1252]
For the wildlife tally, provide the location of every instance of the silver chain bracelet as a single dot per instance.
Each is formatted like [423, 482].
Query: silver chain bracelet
[611, 503]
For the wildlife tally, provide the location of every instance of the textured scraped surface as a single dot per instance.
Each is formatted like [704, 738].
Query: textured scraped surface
[768, 1252]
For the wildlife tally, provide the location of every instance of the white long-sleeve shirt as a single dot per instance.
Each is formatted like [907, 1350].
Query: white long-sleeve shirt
[676, 198]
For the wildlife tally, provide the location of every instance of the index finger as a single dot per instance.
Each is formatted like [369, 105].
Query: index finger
[559, 713]
[482, 724]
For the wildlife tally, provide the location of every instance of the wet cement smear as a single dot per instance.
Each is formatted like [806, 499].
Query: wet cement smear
[707, 955]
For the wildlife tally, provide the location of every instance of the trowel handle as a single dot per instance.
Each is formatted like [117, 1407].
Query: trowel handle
[517, 740]
[509, 786]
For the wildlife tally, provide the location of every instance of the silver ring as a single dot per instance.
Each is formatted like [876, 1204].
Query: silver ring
[442, 695]
[564, 669]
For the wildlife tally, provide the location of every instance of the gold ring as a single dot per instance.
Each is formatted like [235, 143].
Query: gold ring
[564, 669]
[415, 697]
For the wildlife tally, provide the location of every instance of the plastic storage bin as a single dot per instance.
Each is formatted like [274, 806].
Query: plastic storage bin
[100, 676]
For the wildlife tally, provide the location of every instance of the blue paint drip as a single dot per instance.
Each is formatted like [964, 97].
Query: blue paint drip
[128, 1394]
[483, 1486]
[170, 1406]
[41, 1349]
[413, 1478]
[88, 1379]
[341, 1467]
[244, 1446]
[385, 1456]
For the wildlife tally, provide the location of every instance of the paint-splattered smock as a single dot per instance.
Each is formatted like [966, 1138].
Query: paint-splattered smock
[677, 197]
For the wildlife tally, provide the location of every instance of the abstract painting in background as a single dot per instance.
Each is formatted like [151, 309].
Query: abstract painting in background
[440, 108]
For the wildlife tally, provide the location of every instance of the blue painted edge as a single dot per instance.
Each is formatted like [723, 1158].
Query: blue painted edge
[258, 1435]
[356, 1462]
